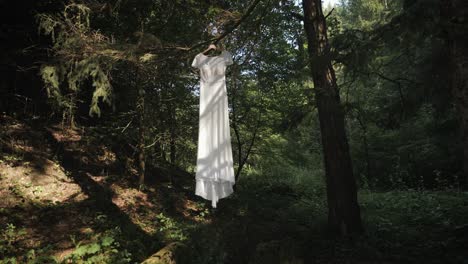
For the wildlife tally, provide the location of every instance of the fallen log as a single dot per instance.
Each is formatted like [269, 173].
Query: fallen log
[173, 253]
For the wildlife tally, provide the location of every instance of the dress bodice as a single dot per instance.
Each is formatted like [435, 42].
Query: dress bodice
[212, 68]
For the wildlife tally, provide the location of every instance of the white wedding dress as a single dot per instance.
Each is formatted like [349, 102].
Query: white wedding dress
[214, 172]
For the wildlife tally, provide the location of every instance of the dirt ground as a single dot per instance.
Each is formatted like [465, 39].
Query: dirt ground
[58, 187]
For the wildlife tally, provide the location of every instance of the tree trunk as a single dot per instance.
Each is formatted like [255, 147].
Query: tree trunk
[343, 209]
[141, 130]
[173, 124]
[454, 15]
[370, 179]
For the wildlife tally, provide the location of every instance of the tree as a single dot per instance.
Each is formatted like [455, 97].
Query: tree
[453, 18]
[343, 209]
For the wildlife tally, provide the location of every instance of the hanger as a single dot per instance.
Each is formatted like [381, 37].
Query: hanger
[211, 47]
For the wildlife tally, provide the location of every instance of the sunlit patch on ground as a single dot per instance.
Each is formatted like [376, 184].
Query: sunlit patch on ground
[24, 184]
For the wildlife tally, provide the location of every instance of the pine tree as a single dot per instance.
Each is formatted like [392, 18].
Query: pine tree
[343, 209]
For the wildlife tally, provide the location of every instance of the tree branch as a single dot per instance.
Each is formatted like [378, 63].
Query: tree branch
[329, 13]
[229, 31]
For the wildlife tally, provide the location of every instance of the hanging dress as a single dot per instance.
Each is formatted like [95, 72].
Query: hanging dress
[214, 171]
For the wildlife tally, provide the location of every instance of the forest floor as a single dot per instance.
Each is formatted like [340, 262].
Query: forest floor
[63, 200]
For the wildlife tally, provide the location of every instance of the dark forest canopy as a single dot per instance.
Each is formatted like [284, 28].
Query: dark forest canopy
[341, 114]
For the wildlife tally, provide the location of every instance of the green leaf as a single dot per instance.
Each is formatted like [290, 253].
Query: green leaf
[94, 248]
[107, 241]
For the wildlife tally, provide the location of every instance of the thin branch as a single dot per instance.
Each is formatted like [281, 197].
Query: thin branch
[249, 149]
[125, 128]
[329, 13]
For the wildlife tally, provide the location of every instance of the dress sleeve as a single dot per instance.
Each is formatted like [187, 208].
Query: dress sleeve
[196, 61]
[228, 58]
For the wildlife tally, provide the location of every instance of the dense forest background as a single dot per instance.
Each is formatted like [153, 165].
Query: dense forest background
[99, 124]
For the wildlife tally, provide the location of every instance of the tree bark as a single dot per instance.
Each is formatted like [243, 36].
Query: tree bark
[454, 20]
[343, 210]
[141, 130]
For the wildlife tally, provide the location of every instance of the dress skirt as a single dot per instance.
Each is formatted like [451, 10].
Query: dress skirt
[215, 171]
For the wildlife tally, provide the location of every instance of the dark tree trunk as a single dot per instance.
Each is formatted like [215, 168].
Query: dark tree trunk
[173, 124]
[454, 15]
[343, 209]
[370, 179]
[141, 130]
[158, 149]
[173, 147]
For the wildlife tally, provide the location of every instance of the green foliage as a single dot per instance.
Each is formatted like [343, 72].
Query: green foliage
[102, 88]
[266, 222]
[78, 58]
[104, 249]
[401, 125]
[368, 14]
[414, 225]
[64, 27]
[51, 77]
[171, 229]
[10, 234]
